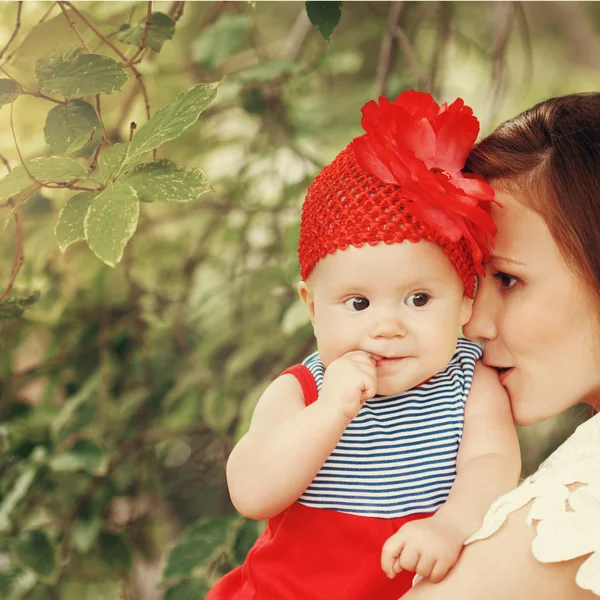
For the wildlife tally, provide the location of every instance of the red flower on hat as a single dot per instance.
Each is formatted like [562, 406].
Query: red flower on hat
[422, 147]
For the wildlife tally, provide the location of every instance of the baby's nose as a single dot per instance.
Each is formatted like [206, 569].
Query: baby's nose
[389, 326]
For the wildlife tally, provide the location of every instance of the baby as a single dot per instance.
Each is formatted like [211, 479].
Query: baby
[378, 456]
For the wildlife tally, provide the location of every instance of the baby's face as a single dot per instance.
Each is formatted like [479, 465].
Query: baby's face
[402, 303]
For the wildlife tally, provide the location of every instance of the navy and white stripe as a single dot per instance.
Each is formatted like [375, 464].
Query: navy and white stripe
[398, 455]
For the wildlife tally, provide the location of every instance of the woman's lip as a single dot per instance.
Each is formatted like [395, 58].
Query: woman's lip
[502, 375]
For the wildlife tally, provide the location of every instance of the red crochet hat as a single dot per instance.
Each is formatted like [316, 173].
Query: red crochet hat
[402, 180]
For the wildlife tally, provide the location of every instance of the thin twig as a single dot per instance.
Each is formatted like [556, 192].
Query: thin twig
[74, 28]
[118, 52]
[12, 127]
[19, 255]
[526, 38]
[45, 16]
[388, 47]
[176, 10]
[15, 30]
[125, 109]
[498, 74]
[142, 45]
[297, 36]
[99, 113]
[5, 162]
[94, 163]
[43, 96]
[412, 58]
[442, 39]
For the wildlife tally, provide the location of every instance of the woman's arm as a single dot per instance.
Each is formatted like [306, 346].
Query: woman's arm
[502, 567]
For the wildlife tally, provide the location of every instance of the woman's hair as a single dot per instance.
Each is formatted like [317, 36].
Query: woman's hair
[549, 158]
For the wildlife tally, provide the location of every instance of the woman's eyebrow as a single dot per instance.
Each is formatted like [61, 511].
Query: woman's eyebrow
[506, 261]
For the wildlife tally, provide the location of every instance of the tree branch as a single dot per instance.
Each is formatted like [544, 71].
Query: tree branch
[388, 47]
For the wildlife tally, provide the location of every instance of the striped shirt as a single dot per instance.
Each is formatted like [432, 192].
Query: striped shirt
[397, 457]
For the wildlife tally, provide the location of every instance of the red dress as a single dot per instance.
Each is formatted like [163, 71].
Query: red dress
[314, 554]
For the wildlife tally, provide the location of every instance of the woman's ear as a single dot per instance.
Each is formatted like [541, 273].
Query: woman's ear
[307, 297]
[466, 310]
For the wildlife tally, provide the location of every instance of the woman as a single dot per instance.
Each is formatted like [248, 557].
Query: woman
[538, 313]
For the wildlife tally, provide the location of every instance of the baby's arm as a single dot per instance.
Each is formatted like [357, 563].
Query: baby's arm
[489, 459]
[488, 465]
[288, 442]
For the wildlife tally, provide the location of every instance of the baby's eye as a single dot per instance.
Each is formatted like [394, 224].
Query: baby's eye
[505, 282]
[418, 300]
[357, 303]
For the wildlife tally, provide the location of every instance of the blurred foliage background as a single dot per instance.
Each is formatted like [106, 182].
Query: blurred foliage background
[124, 389]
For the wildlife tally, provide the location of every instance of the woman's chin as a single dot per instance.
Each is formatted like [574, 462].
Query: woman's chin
[530, 414]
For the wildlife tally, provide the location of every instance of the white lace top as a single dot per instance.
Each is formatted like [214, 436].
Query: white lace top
[568, 519]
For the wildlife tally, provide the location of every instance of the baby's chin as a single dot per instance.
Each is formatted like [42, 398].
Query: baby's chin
[392, 390]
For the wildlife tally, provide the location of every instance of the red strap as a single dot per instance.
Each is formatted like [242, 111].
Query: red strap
[306, 380]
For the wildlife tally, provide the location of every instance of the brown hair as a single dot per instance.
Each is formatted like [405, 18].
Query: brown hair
[549, 157]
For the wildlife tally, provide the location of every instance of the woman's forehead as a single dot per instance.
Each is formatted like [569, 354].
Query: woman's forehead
[522, 233]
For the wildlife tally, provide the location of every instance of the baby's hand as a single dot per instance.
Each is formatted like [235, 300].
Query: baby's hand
[349, 381]
[430, 547]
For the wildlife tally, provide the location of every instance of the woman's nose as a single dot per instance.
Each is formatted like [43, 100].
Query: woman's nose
[482, 324]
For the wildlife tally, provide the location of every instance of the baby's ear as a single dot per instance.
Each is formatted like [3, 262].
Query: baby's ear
[307, 297]
[466, 310]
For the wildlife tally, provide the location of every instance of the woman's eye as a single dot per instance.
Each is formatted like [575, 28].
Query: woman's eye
[357, 303]
[418, 300]
[505, 281]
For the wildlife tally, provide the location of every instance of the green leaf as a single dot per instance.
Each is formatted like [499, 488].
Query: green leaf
[53, 37]
[324, 16]
[85, 75]
[218, 412]
[35, 551]
[88, 391]
[111, 221]
[115, 552]
[110, 161]
[267, 71]
[201, 543]
[162, 28]
[86, 531]
[6, 91]
[69, 126]
[69, 227]
[91, 518]
[253, 102]
[170, 121]
[217, 42]
[48, 169]
[189, 589]
[165, 181]
[20, 489]
[12, 308]
[84, 455]
[244, 540]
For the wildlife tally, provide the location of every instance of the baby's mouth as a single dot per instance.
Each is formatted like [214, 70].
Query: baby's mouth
[381, 361]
